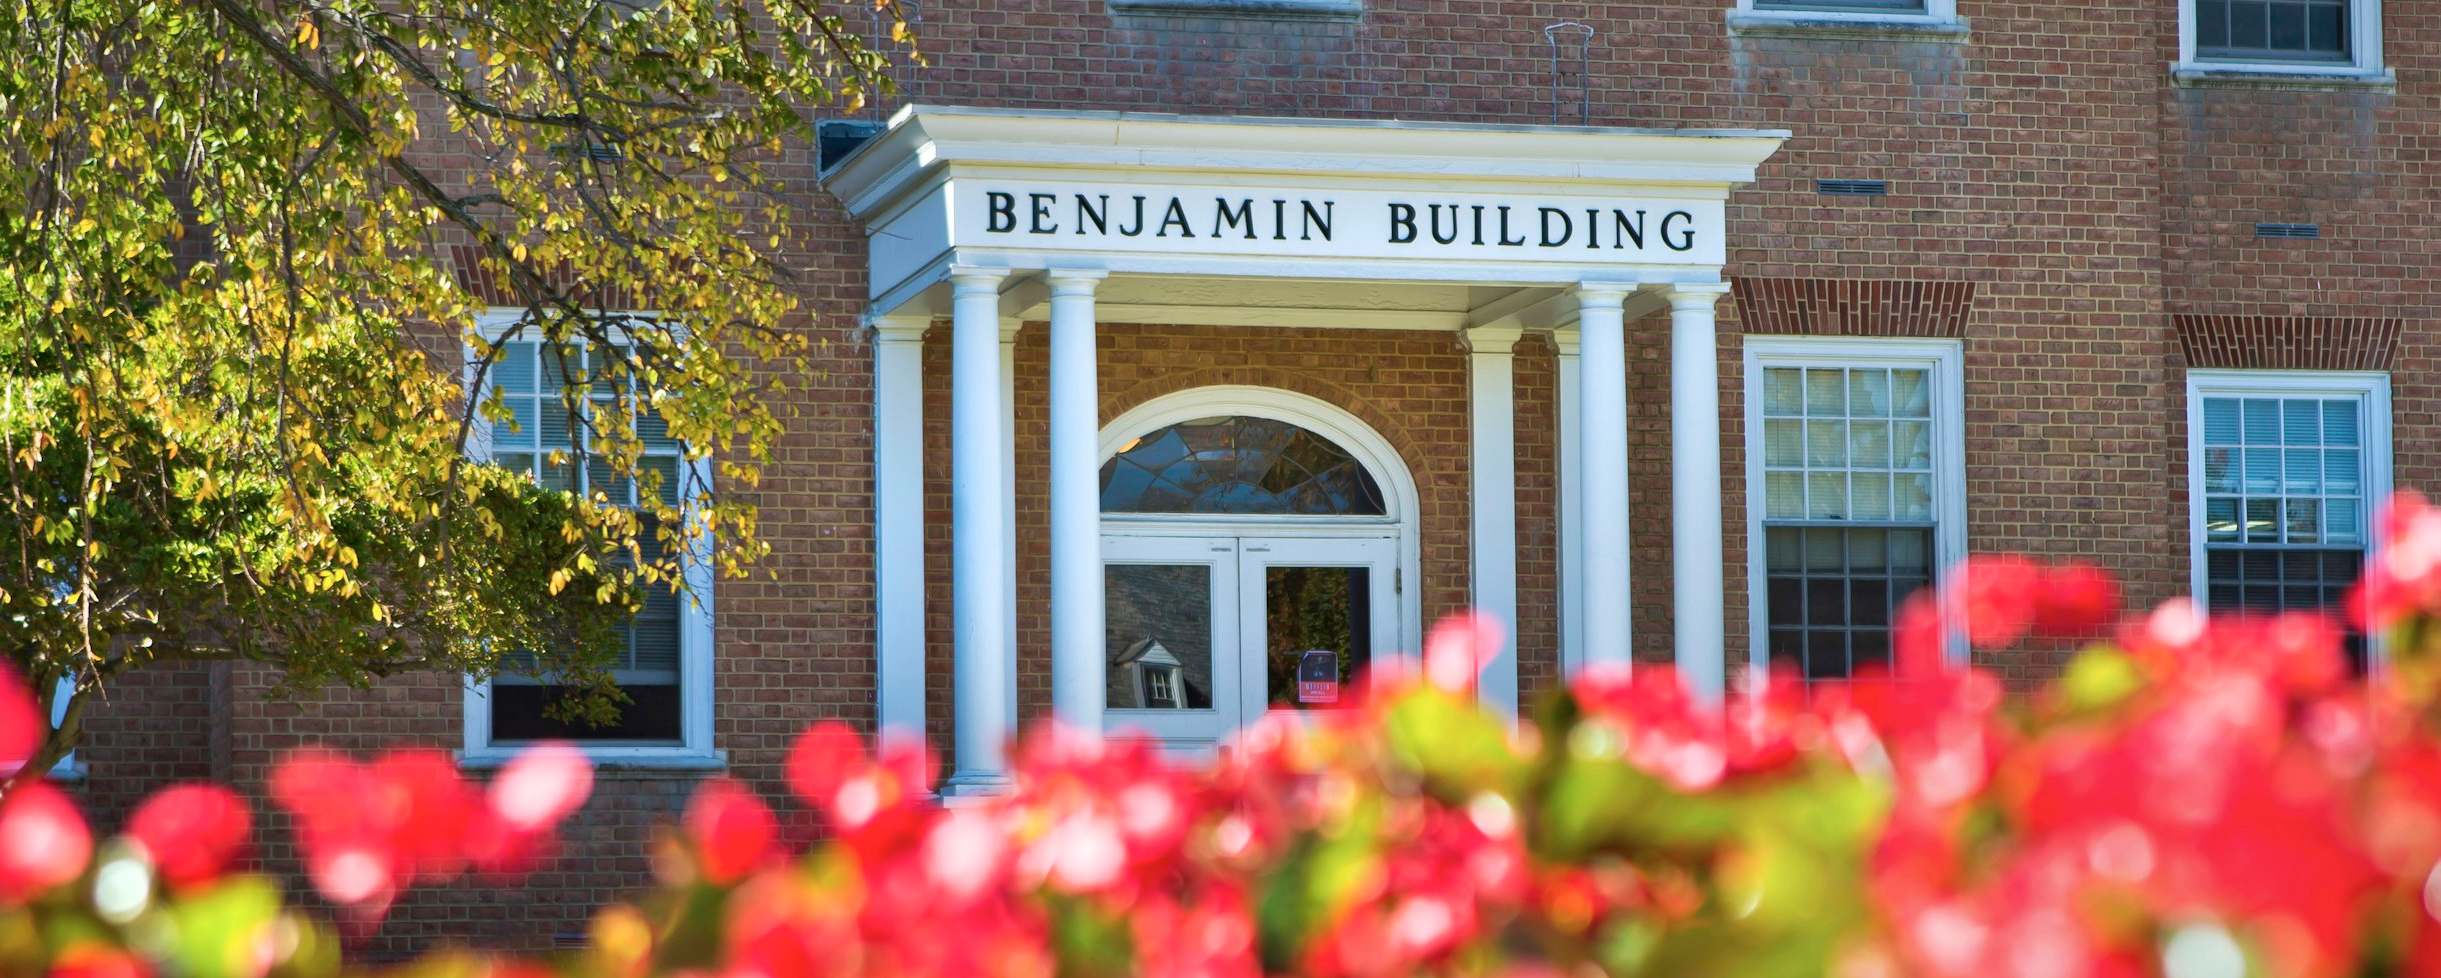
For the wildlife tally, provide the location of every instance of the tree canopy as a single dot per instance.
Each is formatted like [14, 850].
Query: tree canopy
[263, 264]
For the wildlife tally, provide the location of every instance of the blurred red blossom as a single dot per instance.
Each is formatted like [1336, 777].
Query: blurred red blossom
[2196, 795]
[43, 841]
[22, 724]
[192, 832]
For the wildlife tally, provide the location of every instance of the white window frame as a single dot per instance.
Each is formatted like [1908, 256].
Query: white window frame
[2365, 68]
[2372, 387]
[694, 751]
[1939, 17]
[1947, 360]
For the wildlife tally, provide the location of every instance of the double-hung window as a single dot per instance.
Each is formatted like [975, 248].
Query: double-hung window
[2285, 473]
[2303, 40]
[663, 665]
[1855, 493]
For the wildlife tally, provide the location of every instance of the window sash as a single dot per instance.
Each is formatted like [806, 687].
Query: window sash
[1931, 401]
[2224, 28]
[678, 627]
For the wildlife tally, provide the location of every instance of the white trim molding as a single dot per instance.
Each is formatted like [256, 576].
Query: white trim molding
[2365, 69]
[2370, 388]
[1492, 547]
[1946, 359]
[1935, 20]
[694, 749]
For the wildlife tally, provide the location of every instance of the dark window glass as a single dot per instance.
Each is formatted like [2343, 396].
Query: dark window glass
[1874, 6]
[518, 713]
[1833, 593]
[2284, 504]
[1238, 465]
[533, 380]
[2271, 30]
[1315, 609]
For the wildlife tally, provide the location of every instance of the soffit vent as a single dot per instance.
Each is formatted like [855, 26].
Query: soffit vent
[1852, 188]
[2288, 230]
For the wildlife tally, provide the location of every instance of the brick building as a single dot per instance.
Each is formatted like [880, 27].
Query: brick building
[1696, 330]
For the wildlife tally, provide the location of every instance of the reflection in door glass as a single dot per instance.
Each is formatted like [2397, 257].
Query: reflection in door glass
[1316, 609]
[1158, 634]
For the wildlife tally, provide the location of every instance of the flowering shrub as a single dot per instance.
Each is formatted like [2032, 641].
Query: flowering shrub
[2192, 799]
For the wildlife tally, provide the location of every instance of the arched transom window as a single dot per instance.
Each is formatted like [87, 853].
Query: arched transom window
[1238, 465]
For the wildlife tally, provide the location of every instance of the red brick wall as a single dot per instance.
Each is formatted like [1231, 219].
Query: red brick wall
[2044, 166]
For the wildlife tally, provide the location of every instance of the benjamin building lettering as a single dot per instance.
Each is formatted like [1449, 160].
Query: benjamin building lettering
[1183, 218]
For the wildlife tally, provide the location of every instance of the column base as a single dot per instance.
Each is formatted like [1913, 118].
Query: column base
[969, 788]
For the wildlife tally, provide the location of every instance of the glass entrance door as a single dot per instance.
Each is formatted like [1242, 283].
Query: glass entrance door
[1205, 633]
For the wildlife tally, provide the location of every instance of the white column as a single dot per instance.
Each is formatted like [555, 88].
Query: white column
[1602, 470]
[1077, 656]
[1009, 329]
[979, 564]
[1695, 488]
[1571, 501]
[1492, 428]
[898, 524]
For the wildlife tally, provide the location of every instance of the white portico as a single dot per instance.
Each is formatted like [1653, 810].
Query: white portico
[996, 218]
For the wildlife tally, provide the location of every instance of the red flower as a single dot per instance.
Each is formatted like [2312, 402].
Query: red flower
[43, 841]
[192, 832]
[22, 725]
[731, 829]
[2075, 598]
[1459, 648]
[87, 959]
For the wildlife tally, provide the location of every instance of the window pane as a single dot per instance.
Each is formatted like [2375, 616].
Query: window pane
[2288, 26]
[2304, 470]
[2262, 470]
[2339, 423]
[2220, 421]
[2343, 520]
[2304, 521]
[1869, 494]
[1826, 444]
[2249, 24]
[1914, 500]
[1784, 443]
[2220, 470]
[1783, 496]
[1316, 609]
[1912, 444]
[1835, 612]
[1911, 393]
[1157, 618]
[2221, 520]
[1781, 547]
[1826, 496]
[1783, 391]
[2262, 422]
[1826, 392]
[1239, 464]
[1869, 393]
[2343, 471]
[1869, 444]
[2211, 23]
[2262, 521]
[2326, 26]
[2301, 423]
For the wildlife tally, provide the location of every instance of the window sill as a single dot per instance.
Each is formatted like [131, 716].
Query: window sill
[1847, 26]
[617, 763]
[1275, 9]
[2307, 78]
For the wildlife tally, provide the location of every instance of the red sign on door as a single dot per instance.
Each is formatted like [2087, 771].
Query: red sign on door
[1318, 677]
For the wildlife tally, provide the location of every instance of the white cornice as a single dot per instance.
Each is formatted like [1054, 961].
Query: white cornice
[922, 140]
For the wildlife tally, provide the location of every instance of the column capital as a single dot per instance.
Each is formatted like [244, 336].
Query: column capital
[1075, 281]
[898, 329]
[974, 280]
[1603, 295]
[1695, 296]
[1490, 340]
[1009, 328]
[1565, 341]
